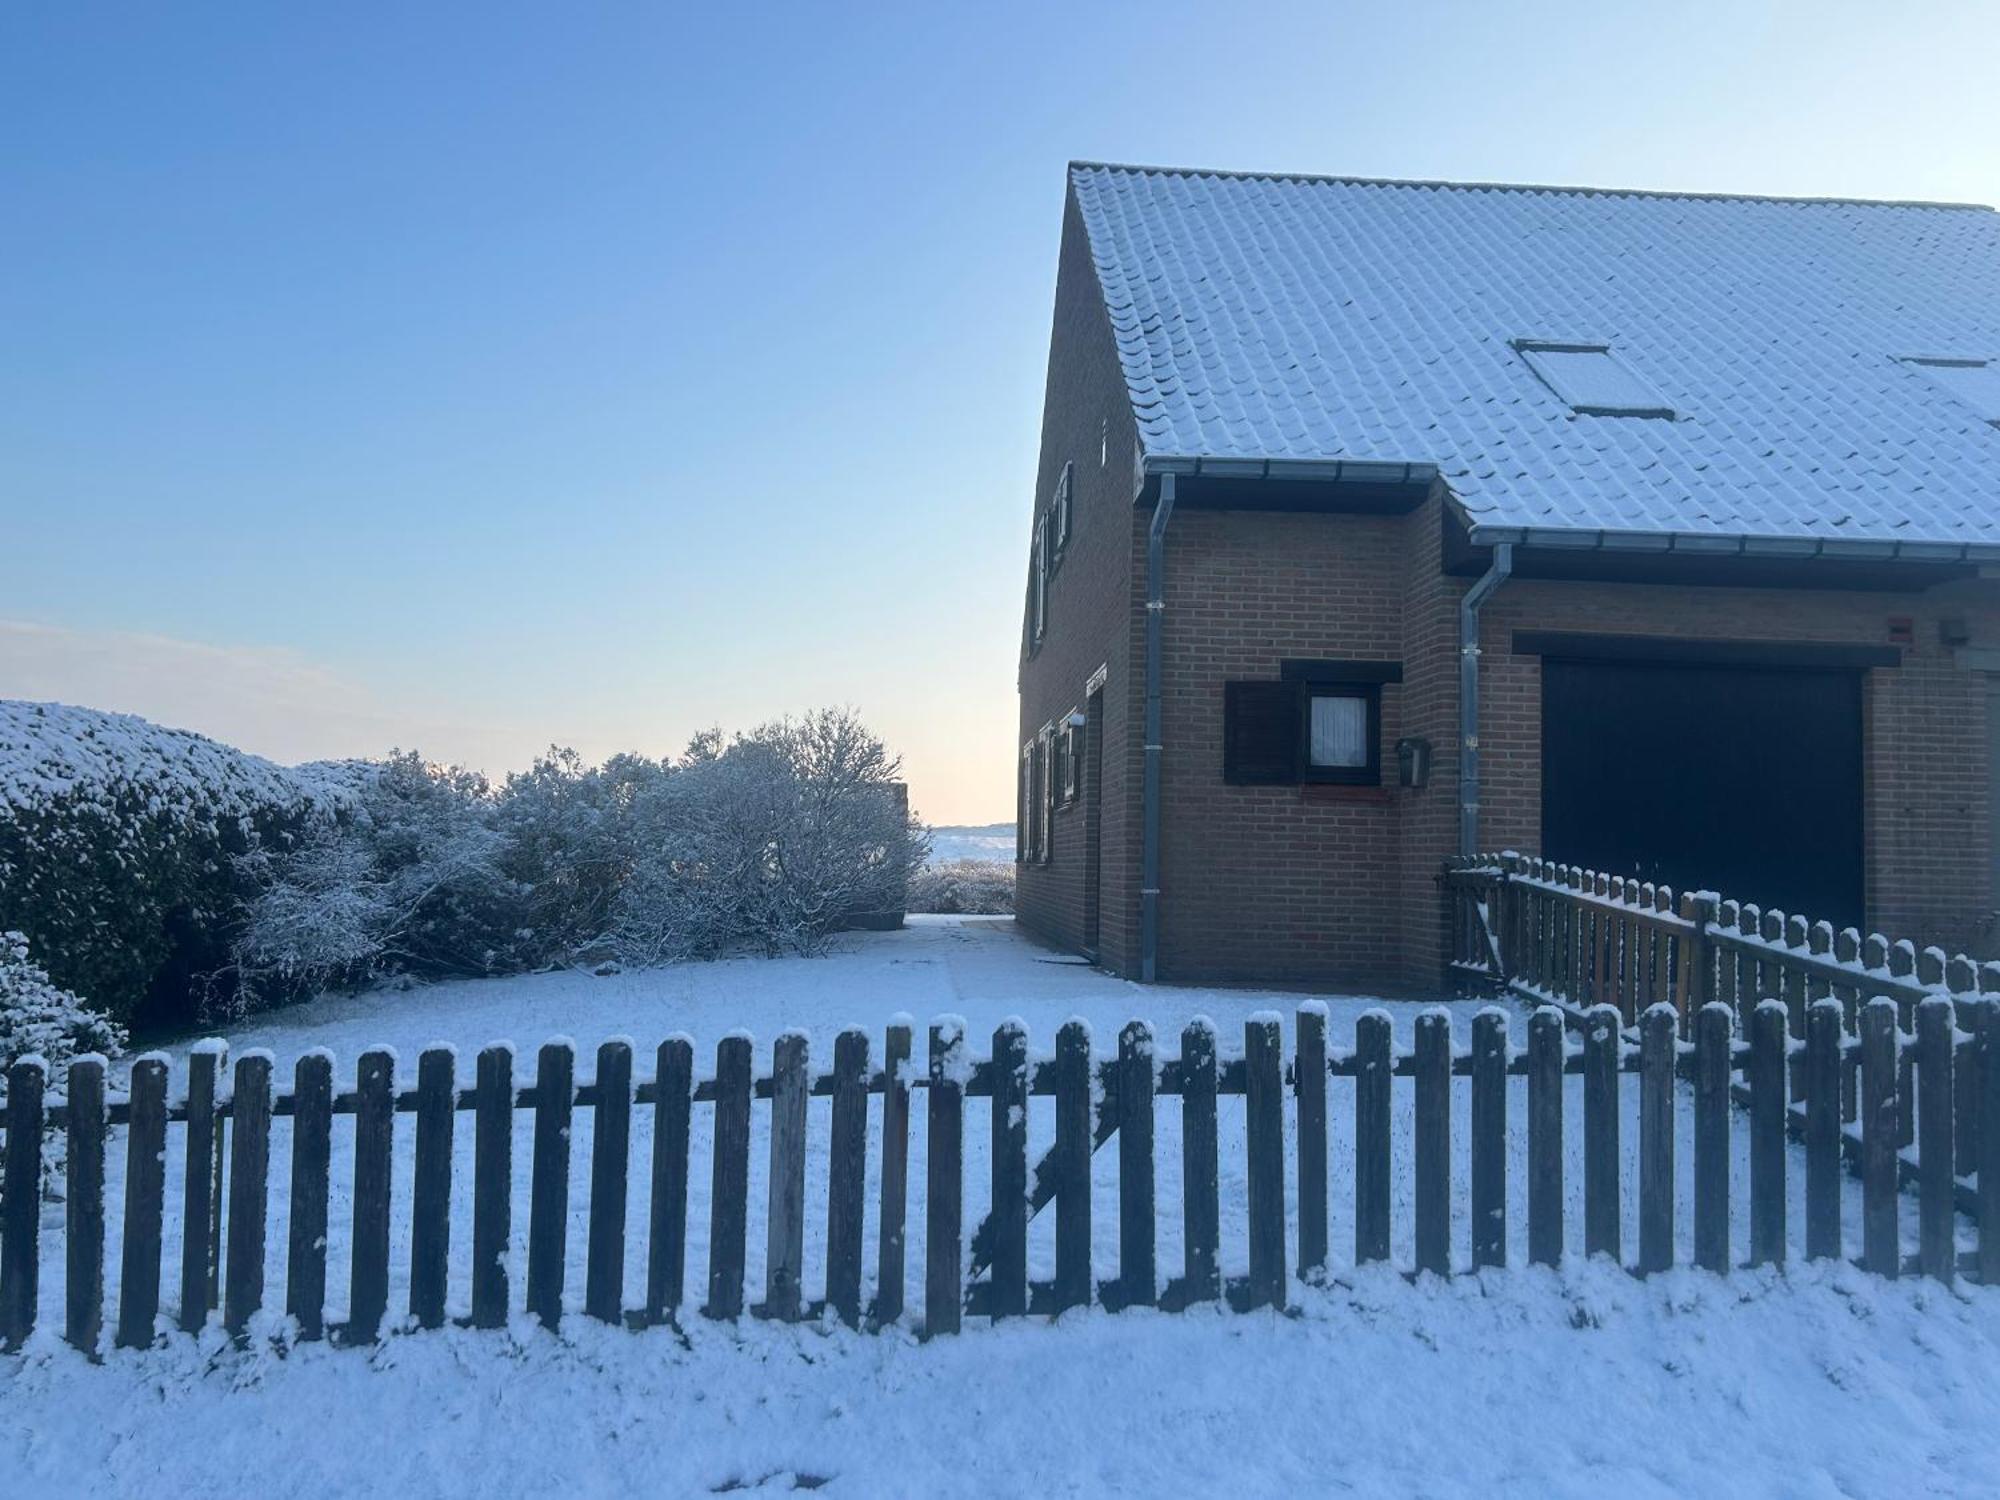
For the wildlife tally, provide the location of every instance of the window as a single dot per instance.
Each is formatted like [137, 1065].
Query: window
[1320, 722]
[1974, 383]
[1038, 587]
[1591, 379]
[1024, 806]
[1104, 444]
[1059, 511]
[1069, 763]
[1045, 794]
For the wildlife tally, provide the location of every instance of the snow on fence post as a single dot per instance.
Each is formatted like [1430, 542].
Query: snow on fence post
[312, 1155]
[610, 1161]
[1769, 1087]
[893, 1216]
[1988, 1159]
[1264, 1106]
[1823, 1037]
[1601, 1050]
[1200, 1200]
[1545, 1137]
[1374, 1078]
[249, 1190]
[430, 1185]
[666, 1230]
[374, 1127]
[1489, 1138]
[729, 1191]
[492, 1184]
[847, 1174]
[1309, 1085]
[944, 1206]
[198, 1192]
[1881, 1137]
[1010, 1170]
[1072, 1166]
[785, 1218]
[1659, 1043]
[145, 1198]
[1713, 1068]
[83, 1280]
[548, 1183]
[21, 1205]
[1137, 1265]
[1938, 1249]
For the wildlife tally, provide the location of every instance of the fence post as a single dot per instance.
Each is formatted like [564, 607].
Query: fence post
[847, 1174]
[83, 1281]
[1769, 1086]
[1658, 1045]
[1072, 1166]
[1374, 1077]
[1433, 1141]
[1903, 965]
[21, 1205]
[1699, 908]
[666, 1229]
[785, 1221]
[1309, 1086]
[548, 1184]
[1713, 1067]
[1200, 1207]
[1824, 1024]
[492, 1183]
[729, 1190]
[1137, 1270]
[145, 1198]
[1264, 1105]
[374, 1126]
[1010, 1169]
[1489, 1138]
[610, 1162]
[198, 1192]
[944, 1207]
[1938, 1250]
[1962, 979]
[312, 1157]
[1881, 1136]
[249, 1192]
[1602, 1046]
[891, 1219]
[430, 1185]
[1989, 1143]
[1545, 1137]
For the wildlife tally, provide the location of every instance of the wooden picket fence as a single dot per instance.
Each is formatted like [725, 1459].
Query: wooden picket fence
[1561, 935]
[1095, 1100]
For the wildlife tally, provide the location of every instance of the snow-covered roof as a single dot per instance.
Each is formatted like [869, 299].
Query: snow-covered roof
[1306, 320]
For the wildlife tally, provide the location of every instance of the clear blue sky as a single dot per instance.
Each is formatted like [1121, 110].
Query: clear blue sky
[474, 377]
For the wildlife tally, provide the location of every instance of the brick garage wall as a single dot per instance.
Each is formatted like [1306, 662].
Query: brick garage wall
[1087, 422]
[1331, 886]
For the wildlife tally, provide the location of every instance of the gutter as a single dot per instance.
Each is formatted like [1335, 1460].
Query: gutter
[1724, 544]
[1156, 609]
[1468, 693]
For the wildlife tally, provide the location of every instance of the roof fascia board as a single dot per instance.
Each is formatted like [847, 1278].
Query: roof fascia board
[1720, 544]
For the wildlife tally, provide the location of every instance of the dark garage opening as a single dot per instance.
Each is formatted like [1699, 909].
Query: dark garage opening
[1740, 779]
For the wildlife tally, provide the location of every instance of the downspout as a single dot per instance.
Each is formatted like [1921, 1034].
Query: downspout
[1468, 694]
[1156, 609]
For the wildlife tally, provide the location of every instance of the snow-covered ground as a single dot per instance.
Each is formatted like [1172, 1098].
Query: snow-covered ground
[1826, 1381]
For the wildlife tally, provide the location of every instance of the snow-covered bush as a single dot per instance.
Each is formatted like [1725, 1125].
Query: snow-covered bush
[408, 879]
[120, 844]
[39, 1017]
[977, 887]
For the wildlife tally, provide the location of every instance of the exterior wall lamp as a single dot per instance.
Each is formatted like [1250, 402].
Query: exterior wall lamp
[1413, 762]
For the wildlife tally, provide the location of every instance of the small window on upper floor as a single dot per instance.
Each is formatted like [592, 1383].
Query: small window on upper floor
[1591, 379]
[1974, 383]
[1059, 509]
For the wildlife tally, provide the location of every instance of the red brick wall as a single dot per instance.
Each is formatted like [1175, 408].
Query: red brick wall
[1087, 422]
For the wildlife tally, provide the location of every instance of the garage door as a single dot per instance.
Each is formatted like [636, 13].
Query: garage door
[1746, 780]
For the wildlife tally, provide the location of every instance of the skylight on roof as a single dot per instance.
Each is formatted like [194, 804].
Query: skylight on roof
[1590, 378]
[1972, 382]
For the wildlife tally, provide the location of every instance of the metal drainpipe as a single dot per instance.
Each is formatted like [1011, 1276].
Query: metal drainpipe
[1156, 609]
[1468, 694]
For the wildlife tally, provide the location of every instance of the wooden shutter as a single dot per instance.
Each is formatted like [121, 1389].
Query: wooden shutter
[1260, 733]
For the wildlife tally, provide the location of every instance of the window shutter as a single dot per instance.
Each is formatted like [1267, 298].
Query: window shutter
[1260, 733]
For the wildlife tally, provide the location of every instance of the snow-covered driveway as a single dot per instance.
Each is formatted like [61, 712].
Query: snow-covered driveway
[1586, 1382]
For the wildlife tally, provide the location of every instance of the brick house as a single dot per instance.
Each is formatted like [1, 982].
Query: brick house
[1711, 485]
